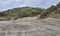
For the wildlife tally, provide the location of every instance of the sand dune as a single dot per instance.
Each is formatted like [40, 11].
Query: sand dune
[30, 26]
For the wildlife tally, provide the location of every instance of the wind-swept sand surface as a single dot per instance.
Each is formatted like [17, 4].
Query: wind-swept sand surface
[30, 26]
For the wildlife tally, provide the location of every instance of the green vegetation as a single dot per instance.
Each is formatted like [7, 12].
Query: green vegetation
[21, 12]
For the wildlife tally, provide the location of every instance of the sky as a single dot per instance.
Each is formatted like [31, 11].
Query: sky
[9, 4]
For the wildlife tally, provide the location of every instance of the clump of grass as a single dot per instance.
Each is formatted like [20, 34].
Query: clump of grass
[54, 14]
[44, 14]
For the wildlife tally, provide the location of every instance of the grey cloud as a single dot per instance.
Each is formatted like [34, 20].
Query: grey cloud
[10, 3]
[5, 4]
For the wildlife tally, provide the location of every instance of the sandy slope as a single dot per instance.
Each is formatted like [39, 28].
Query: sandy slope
[30, 26]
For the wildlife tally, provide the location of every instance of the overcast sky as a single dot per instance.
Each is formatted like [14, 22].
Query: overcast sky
[6, 4]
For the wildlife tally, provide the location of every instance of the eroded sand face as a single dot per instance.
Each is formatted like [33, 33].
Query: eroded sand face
[30, 26]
